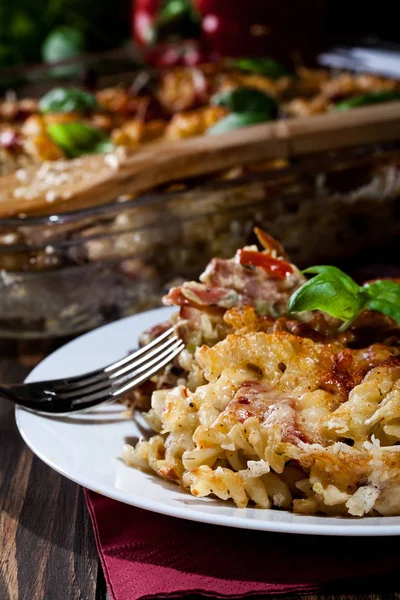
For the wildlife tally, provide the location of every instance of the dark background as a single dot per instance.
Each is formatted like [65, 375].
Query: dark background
[348, 20]
[24, 24]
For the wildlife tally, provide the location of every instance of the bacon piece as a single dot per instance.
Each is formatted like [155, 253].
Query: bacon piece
[197, 294]
[269, 406]
[283, 415]
[175, 297]
[226, 283]
[253, 284]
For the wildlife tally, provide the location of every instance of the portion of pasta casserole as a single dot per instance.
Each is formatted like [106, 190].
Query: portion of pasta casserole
[274, 411]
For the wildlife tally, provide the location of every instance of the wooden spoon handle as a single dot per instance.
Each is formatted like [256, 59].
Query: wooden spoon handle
[98, 179]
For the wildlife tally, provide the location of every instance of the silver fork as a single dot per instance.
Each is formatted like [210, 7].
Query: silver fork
[72, 394]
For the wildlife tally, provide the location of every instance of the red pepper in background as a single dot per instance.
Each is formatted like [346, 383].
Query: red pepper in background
[218, 28]
[233, 28]
[144, 15]
[164, 26]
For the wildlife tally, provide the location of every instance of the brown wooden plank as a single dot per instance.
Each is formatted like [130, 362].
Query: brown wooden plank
[47, 548]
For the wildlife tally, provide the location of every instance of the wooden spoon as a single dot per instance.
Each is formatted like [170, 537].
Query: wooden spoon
[97, 179]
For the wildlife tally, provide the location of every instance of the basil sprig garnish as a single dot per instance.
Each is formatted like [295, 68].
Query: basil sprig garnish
[247, 106]
[368, 99]
[77, 139]
[262, 66]
[337, 294]
[62, 100]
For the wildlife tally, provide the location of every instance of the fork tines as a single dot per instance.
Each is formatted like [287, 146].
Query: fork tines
[106, 384]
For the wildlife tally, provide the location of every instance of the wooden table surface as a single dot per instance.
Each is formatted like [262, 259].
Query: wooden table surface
[47, 547]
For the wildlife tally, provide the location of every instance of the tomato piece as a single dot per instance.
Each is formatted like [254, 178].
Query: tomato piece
[276, 267]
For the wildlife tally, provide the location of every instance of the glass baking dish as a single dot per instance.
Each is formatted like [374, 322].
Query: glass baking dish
[67, 273]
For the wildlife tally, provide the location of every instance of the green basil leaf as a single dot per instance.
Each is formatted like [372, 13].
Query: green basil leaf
[172, 9]
[385, 307]
[368, 99]
[337, 294]
[245, 99]
[102, 146]
[334, 273]
[62, 43]
[62, 100]
[77, 139]
[382, 287]
[384, 297]
[177, 19]
[236, 121]
[327, 294]
[262, 66]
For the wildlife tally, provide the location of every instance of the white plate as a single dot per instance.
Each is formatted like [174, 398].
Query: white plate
[86, 448]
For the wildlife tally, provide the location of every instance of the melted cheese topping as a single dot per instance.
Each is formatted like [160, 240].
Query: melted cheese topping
[282, 420]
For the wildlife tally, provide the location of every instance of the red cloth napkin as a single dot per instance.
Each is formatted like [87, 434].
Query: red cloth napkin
[146, 555]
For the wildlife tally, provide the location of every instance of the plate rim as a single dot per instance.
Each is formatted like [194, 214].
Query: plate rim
[344, 528]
